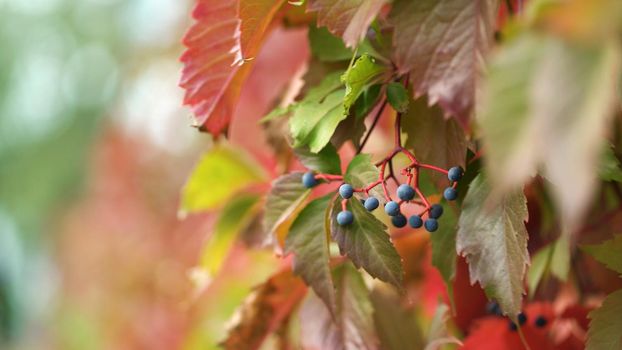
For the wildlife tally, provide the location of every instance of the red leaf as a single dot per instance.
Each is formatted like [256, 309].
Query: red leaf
[493, 332]
[443, 44]
[348, 19]
[226, 33]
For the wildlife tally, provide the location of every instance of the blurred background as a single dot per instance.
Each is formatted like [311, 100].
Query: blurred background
[94, 148]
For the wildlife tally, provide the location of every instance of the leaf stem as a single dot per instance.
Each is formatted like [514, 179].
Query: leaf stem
[372, 127]
[398, 133]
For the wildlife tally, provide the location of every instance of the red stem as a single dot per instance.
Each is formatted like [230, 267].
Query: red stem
[329, 177]
[432, 167]
[411, 171]
[372, 127]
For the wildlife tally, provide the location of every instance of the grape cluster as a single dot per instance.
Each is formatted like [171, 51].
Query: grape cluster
[494, 309]
[405, 193]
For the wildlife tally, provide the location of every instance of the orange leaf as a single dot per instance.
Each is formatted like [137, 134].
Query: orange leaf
[265, 310]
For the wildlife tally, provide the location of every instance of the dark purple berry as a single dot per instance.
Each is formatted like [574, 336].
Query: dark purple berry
[493, 308]
[540, 321]
[308, 180]
[436, 210]
[455, 173]
[399, 221]
[371, 203]
[522, 318]
[415, 221]
[392, 208]
[431, 225]
[405, 192]
[345, 218]
[346, 191]
[450, 194]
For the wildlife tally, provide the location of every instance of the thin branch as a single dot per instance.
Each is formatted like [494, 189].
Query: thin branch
[371, 128]
[398, 134]
[392, 173]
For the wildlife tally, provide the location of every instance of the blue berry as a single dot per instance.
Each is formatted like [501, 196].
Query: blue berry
[399, 221]
[346, 191]
[392, 208]
[436, 210]
[450, 194]
[415, 221]
[431, 225]
[308, 180]
[522, 318]
[345, 218]
[540, 321]
[405, 192]
[493, 308]
[371, 203]
[512, 326]
[455, 173]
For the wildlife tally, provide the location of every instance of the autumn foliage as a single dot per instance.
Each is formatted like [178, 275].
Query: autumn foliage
[519, 100]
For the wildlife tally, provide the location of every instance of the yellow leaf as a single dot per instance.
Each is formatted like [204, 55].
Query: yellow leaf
[220, 173]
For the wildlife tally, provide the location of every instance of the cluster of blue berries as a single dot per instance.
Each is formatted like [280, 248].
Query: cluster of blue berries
[454, 175]
[392, 208]
[406, 193]
[493, 308]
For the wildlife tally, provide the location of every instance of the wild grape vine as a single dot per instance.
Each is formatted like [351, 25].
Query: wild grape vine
[405, 193]
[416, 69]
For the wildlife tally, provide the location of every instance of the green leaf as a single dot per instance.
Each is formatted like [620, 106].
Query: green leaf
[326, 46]
[537, 269]
[610, 169]
[308, 240]
[349, 19]
[363, 73]
[398, 97]
[444, 249]
[560, 261]
[329, 84]
[607, 253]
[553, 258]
[434, 139]
[278, 112]
[367, 243]
[326, 161]
[547, 106]
[235, 216]
[352, 328]
[442, 45]
[493, 238]
[313, 123]
[361, 173]
[367, 101]
[606, 324]
[396, 325]
[220, 173]
[285, 198]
